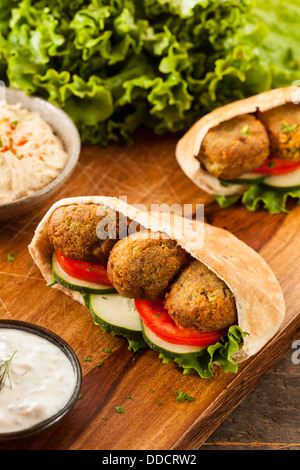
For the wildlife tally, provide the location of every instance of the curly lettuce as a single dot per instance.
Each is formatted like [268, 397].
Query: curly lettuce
[257, 196]
[220, 353]
[116, 65]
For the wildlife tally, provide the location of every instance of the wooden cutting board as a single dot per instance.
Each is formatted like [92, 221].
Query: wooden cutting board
[153, 418]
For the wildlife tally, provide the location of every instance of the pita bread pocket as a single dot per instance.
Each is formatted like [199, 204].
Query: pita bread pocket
[258, 296]
[189, 146]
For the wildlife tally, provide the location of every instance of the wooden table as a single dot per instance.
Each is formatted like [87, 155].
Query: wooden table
[153, 419]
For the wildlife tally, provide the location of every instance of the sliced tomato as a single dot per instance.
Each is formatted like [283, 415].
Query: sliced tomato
[277, 166]
[156, 317]
[83, 270]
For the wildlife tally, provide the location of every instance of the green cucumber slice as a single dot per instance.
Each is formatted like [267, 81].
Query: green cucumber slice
[247, 178]
[115, 313]
[287, 181]
[162, 346]
[78, 285]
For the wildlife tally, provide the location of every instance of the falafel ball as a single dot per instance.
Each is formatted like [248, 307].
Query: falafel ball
[235, 147]
[142, 265]
[85, 232]
[283, 126]
[198, 299]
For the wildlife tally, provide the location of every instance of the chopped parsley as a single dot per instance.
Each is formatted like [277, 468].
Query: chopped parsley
[285, 127]
[245, 130]
[88, 359]
[10, 257]
[183, 396]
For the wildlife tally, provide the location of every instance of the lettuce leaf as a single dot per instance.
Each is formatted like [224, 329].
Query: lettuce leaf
[274, 200]
[116, 65]
[219, 353]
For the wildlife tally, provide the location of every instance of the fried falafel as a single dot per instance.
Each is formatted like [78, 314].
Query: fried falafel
[283, 126]
[143, 264]
[198, 299]
[235, 147]
[85, 232]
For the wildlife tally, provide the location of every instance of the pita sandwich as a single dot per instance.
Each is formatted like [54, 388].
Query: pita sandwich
[259, 299]
[189, 146]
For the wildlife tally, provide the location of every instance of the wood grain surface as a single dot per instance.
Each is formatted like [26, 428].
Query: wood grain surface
[268, 418]
[153, 418]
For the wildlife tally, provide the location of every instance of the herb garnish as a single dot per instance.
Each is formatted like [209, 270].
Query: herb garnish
[285, 127]
[183, 396]
[4, 370]
[245, 130]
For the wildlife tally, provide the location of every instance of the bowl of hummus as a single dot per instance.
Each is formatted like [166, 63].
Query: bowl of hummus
[39, 149]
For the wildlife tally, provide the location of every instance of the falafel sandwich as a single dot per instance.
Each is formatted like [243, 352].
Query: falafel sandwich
[144, 276]
[248, 150]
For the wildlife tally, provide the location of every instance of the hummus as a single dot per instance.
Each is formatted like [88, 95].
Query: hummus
[31, 155]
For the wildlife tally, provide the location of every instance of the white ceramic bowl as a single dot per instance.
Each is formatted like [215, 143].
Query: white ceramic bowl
[65, 129]
[56, 418]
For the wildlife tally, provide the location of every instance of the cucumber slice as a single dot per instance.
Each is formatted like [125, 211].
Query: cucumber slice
[247, 178]
[72, 283]
[170, 349]
[115, 313]
[287, 181]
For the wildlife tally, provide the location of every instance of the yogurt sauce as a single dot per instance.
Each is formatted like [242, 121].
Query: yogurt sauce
[41, 380]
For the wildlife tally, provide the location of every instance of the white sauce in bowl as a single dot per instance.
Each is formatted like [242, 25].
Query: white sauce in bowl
[41, 380]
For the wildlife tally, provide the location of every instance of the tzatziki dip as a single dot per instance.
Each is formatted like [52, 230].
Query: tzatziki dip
[38, 381]
[31, 155]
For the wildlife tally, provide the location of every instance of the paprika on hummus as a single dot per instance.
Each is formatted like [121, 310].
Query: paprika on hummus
[31, 155]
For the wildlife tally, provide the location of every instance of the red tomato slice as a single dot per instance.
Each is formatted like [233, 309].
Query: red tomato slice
[277, 166]
[82, 270]
[156, 317]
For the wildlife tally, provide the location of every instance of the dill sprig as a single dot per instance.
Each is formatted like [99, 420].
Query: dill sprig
[4, 370]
